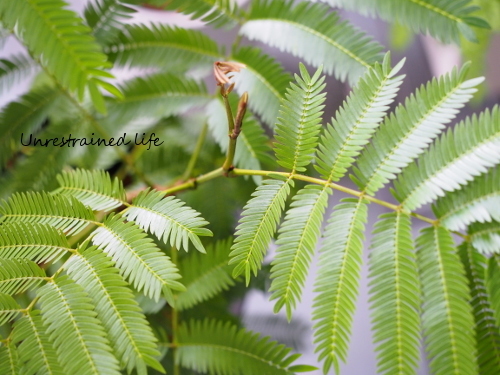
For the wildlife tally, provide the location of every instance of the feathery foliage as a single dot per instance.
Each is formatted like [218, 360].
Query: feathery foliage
[447, 318]
[95, 276]
[218, 348]
[314, 34]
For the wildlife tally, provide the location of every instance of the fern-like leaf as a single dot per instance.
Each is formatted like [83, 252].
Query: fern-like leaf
[168, 219]
[444, 20]
[485, 237]
[264, 79]
[487, 332]
[140, 261]
[337, 281]
[478, 201]
[253, 144]
[205, 275]
[9, 308]
[493, 285]
[9, 359]
[215, 12]
[36, 352]
[406, 133]
[296, 243]
[395, 295]
[358, 118]
[39, 243]
[156, 96]
[17, 276]
[300, 121]
[22, 117]
[59, 38]
[105, 18]
[314, 34]
[257, 226]
[79, 338]
[66, 214]
[14, 70]
[458, 156]
[162, 46]
[93, 188]
[447, 317]
[217, 348]
[127, 329]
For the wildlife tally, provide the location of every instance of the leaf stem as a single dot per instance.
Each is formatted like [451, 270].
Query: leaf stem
[175, 317]
[196, 153]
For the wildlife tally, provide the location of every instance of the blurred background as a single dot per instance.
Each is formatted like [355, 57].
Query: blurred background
[425, 58]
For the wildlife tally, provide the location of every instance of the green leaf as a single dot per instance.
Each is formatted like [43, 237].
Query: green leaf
[35, 349]
[395, 296]
[66, 214]
[140, 261]
[407, 132]
[22, 117]
[447, 317]
[156, 96]
[39, 243]
[205, 275]
[357, 120]
[478, 201]
[313, 33]
[337, 281]
[493, 285]
[19, 275]
[78, 336]
[219, 348]
[215, 12]
[14, 70]
[264, 79]
[253, 144]
[106, 19]
[9, 359]
[162, 46]
[296, 242]
[445, 20]
[487, 332]
[127, 329]
[459, 155]
[257, 226]
[9, 309]
[299, 121]
[59, 39]
[93, 188]
[168, 219]
[485, 237]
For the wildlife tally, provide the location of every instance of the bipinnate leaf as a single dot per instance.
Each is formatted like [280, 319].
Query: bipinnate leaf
[79, 338]
[485, 237]
[395, 296]
[169, 219]
[19, 275]
[459, 155]
[137, 257]
[447, 318]
[217, 348]
[313, 33]
[36, 353]
[257, 226]
[337, 281]
[406, 133]
[205, 275]
[66, 214]
[9, 308]
[9, 362]
[40, 243]
[299, 121]
[296, 242]
[129, 333]
[357, 120]
[487, 331]
[93, 188]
